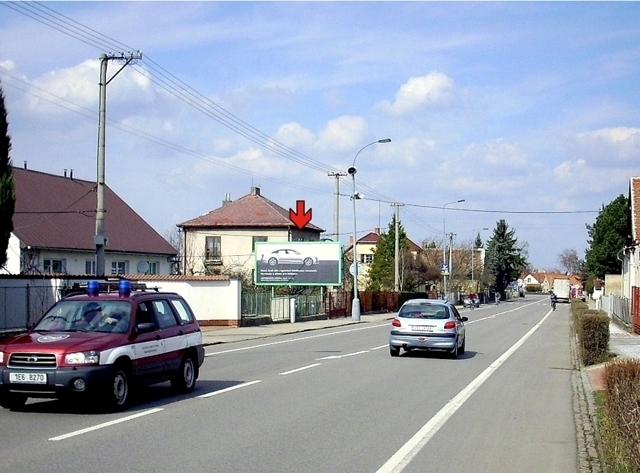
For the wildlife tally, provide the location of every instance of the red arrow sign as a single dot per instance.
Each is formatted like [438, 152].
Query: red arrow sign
[300, 218]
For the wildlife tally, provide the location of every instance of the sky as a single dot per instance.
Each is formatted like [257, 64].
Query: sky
[528, 112]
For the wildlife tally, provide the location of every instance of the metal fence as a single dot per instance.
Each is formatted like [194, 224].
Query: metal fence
[23, 305]
[618, 307]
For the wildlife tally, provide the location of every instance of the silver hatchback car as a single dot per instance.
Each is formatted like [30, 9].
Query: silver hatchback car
[428, 324]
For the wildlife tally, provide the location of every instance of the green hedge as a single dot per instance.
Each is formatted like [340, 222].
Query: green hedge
[592, 327]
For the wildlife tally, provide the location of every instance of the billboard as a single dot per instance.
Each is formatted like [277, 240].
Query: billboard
[298, 263]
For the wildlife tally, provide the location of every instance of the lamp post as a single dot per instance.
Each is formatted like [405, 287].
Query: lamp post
[355, 304]
[444, 239]
[473, 250]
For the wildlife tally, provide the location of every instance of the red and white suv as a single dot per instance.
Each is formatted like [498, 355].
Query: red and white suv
[103, 344]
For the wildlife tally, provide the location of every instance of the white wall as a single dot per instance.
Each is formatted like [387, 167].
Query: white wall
[213, 302]
[236, 247]
[75, 261]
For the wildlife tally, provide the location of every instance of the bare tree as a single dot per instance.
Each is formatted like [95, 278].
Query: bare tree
[570, 261]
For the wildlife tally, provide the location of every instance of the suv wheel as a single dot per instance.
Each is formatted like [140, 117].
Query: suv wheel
[185, 380]
[118, 388]
[12, 400]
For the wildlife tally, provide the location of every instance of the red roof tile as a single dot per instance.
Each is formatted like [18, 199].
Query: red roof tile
[252, 210]
[58, 212]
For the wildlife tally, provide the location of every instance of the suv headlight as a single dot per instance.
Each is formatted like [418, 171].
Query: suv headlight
[82, 358]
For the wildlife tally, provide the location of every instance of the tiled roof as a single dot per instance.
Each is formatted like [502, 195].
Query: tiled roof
[373, 237]
[252, 210]
[57, 212]
[634, 194]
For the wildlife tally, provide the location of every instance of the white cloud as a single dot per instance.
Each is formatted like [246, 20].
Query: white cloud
[498, 152]
[342, 133]
[607, 145]
[433, 90]
[294, 135]
[7, 65]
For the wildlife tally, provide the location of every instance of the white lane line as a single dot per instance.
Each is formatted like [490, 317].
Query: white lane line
[226, 390]
[300, 369]
[294, 340]
[493, 316]
[106, 424]
[386, 345]
[409, 450]
[337, 357]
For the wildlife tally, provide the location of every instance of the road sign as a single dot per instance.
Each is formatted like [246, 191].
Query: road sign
[444, 269]
[352, 269]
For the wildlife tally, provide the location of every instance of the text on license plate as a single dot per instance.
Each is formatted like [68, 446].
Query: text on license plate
[30, 378]
[422, 328]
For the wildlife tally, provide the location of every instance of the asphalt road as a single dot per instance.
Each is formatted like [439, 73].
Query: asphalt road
[334, 401]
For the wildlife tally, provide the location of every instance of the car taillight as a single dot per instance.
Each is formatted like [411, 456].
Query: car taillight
[449, 325]
[396, 323]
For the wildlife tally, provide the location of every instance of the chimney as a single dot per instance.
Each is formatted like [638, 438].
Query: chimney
[71, 173]
[65, 173]
[376, 230]
[227, 199]
[25, 165]
[350, 240]
[255, 190]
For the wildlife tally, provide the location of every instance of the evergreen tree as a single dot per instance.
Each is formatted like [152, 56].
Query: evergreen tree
[382, 270]
[607, 236]
[478, 243]
[505, 260]
[7, 190]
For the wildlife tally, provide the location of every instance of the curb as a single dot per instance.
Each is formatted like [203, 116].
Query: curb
[584, 410]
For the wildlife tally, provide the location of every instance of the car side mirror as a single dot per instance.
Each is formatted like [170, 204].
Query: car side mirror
[145, 327]
[465, 319]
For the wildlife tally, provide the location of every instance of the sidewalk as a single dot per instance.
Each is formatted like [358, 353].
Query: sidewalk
[217, 335]
[623, 343]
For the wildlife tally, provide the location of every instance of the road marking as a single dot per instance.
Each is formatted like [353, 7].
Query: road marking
[337, 357]
[106, 424]
[294, 340]
[300, 369]
[409, 450]
[380, 347]
[226, 390]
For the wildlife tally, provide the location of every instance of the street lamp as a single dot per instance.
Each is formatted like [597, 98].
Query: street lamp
[473, 250]
[355, 304]
[444, 239]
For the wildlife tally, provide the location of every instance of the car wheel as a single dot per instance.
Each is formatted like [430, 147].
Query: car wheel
[118, 389]
[394, 351]
[463, 346]
[272, 261]
[454, 353]
[185, 380]
[13, 400]
[308, 261]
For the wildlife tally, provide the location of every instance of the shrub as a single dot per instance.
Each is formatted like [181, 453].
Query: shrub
[622, 407]
[592, 327]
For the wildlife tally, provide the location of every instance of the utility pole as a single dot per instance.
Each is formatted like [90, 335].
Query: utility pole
[397, 247]
[451, 237]
[336, 204]
[100, 239]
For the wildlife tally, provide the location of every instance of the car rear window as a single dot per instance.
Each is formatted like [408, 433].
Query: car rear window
[424, 312]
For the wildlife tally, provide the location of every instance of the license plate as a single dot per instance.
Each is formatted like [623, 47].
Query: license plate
[422, 328]
[28, 378]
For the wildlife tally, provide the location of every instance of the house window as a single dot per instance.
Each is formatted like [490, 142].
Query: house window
[366, 259]
[257, 239]
[213, 248]
[118, 267]
[54, 265]
[89, 267]
[153, 267]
